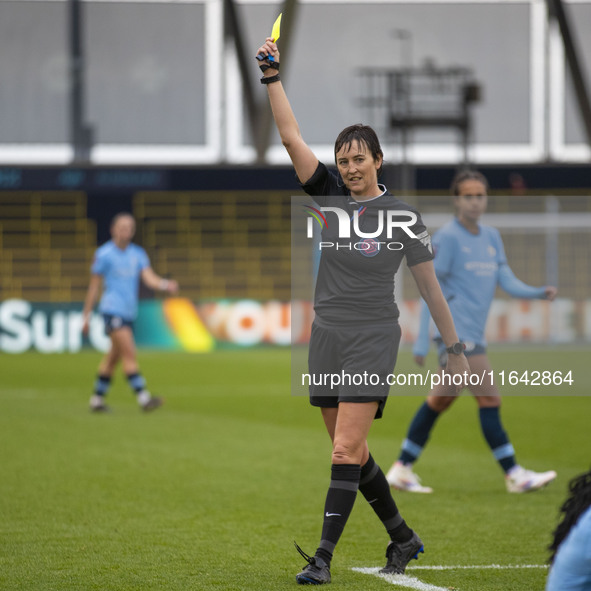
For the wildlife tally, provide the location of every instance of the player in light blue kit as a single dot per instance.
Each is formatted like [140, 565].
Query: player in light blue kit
[469, 262]
[120, 265]
[571, 547]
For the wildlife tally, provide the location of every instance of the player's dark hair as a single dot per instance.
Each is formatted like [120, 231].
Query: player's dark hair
[363, 134]
[122, 214]
[578, 501]
[467, 174]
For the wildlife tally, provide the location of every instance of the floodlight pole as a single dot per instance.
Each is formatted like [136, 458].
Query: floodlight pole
[259, 114]
[557, 10]
[232, 28]
[80, 131]
[407, 171]
[289, 11]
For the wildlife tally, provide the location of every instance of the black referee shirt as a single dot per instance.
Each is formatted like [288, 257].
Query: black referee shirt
[355, 282]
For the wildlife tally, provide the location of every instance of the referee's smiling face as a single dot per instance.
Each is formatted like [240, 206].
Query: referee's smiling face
[358, 169]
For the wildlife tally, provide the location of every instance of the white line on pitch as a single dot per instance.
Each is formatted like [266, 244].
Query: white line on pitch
[477, 566]
[401, 580]
[414, 583]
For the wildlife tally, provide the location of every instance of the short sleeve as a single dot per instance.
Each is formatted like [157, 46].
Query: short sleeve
[418, 250]
[321, 184]
[99, 264]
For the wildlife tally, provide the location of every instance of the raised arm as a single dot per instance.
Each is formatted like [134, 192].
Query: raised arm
[303, 159]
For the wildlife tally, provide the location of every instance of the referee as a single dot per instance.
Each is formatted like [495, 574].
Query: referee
[120, 264]
[356, 324]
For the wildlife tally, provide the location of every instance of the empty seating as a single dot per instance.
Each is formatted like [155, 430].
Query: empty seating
[219, 244]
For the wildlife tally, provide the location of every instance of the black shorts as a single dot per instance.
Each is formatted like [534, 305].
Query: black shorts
[471, 349]
[352, 363]
[113, 322]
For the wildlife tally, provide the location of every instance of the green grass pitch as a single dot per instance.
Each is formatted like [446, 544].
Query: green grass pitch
[210, 491]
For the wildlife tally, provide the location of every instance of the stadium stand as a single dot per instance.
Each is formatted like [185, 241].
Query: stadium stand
[219, 244]
[46, 245]
[237, 244]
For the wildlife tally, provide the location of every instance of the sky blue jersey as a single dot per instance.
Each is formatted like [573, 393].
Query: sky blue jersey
[571, 570]
[121, 271]
[469, 267]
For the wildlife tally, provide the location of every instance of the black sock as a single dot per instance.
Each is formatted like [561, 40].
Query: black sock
[376, 490]
[418, 434]
[496, 437]
[101, 385]
[136, 382]
[337, 508]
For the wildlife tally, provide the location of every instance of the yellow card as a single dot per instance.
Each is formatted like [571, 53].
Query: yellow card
[276, 29]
